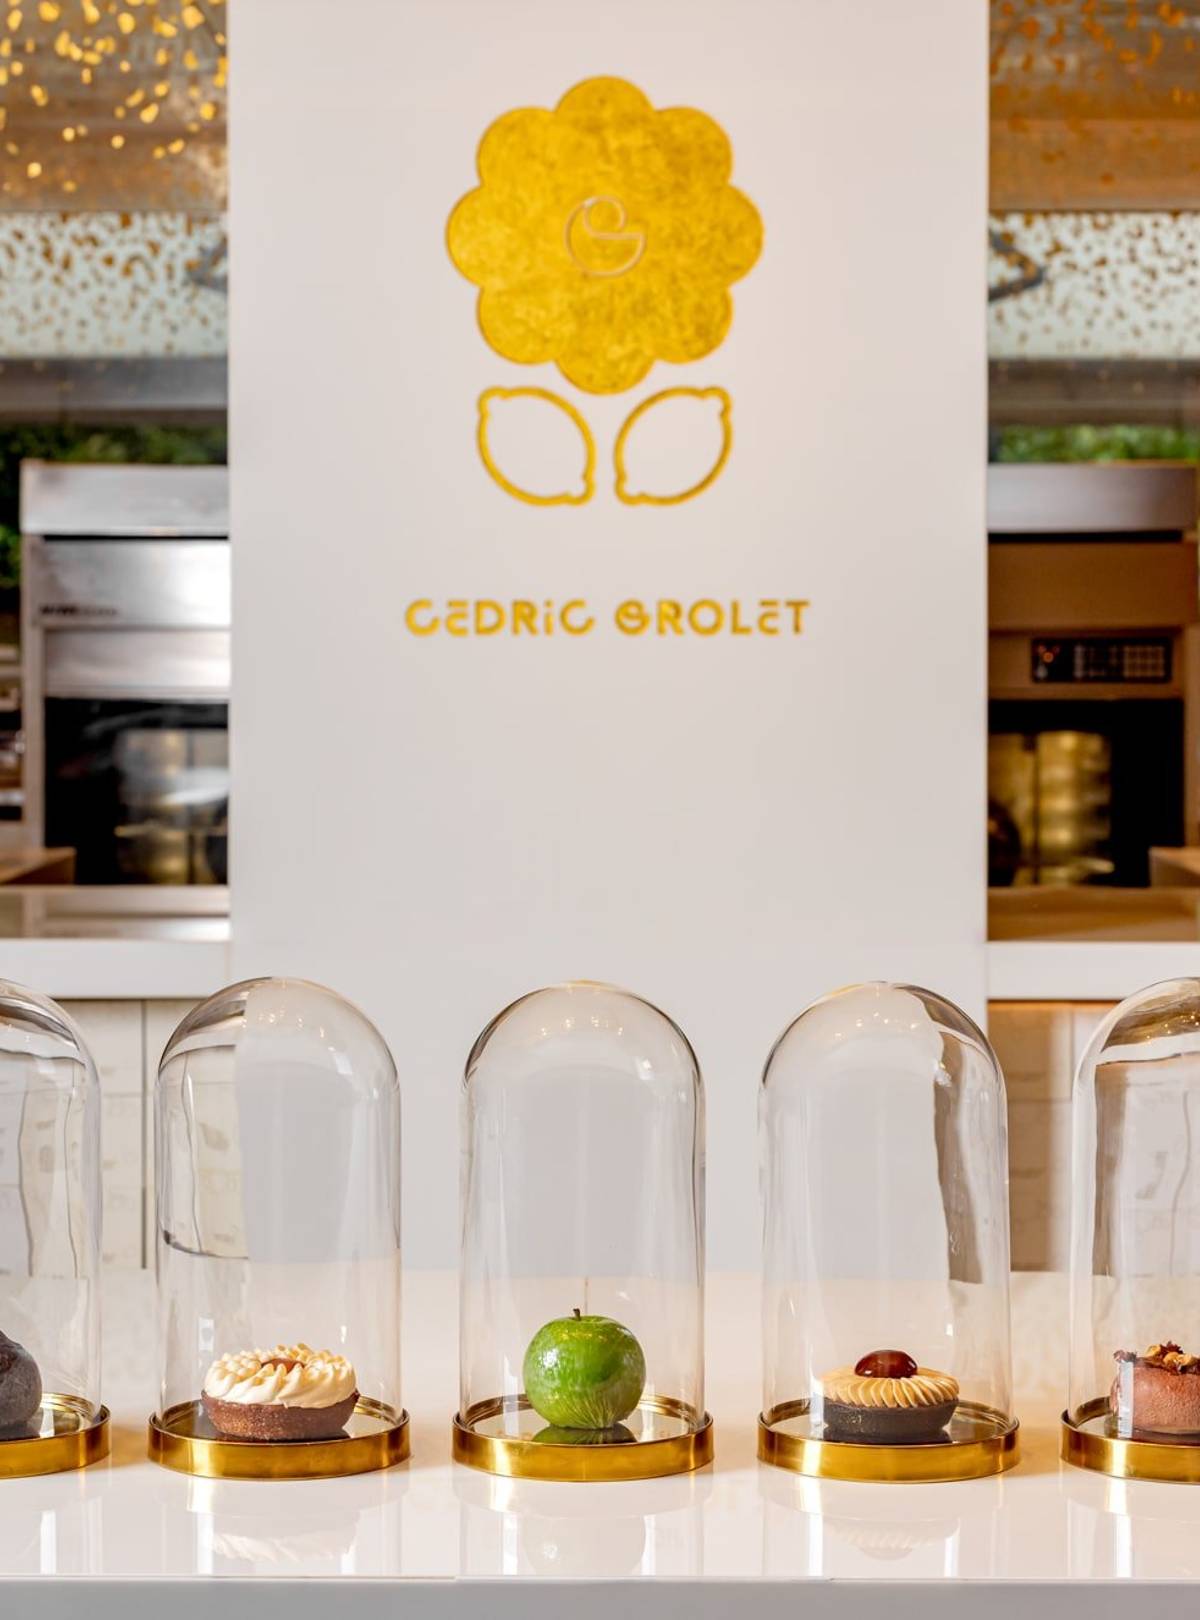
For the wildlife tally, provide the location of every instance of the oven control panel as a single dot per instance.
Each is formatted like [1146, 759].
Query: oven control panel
[1114, 660]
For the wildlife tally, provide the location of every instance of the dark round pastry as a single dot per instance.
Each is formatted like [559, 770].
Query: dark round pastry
[20, 1387]
[886, 1399]
[888, 1425]
[242, 1422]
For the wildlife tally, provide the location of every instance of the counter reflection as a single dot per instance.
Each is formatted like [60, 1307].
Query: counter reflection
[39, 1540]
[622, 1530]
[1120, 1529]
[832, 1530]
[233, 1527]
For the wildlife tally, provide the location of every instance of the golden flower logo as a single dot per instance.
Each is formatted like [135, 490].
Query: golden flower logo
[604, 235]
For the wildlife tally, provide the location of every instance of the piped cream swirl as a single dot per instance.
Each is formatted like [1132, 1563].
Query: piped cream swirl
[289, 1375]
[925, 1388]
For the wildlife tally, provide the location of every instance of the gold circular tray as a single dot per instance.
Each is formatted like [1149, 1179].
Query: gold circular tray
[81, 1436]
[1172, 1462]
[848, 1459]
[522, 1457]
[183, 1439]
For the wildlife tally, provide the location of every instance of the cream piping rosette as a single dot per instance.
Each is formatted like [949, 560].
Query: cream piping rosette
[289, 1375]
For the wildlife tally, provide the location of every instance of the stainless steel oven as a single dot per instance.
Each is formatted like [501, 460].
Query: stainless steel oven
[125, 608]
[1092, 679]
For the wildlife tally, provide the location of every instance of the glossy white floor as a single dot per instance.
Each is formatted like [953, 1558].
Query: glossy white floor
[126, 1521]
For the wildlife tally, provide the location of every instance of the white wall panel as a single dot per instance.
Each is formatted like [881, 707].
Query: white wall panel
[729, 824]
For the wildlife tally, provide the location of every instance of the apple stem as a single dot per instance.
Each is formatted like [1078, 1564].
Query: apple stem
[577, 1313]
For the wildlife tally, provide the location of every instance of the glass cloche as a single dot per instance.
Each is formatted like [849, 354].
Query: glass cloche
[581, 1330]
[50, 1412]
[1135, 1241]
[277, 1150]
[886, 1246]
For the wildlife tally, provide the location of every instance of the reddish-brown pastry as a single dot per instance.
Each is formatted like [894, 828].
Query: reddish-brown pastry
[1157, 1393]
[289, 1393]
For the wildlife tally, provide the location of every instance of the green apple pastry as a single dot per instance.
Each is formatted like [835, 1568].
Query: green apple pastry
[584, 1372]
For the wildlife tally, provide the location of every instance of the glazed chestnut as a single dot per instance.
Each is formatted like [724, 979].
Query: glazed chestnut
[885, 1364]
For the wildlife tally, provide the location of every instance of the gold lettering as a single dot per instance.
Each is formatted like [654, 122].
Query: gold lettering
[666, 616]
[571, 628]
[410, 617]
[482, 626]
[717, 612]
[797, 614]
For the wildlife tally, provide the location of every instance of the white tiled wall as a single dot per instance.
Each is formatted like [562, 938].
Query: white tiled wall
[126, 1039]
[1038, 1043]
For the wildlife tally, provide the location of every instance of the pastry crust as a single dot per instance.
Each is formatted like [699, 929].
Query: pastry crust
[242, 1422]
[887, 1411]
[289, 1393]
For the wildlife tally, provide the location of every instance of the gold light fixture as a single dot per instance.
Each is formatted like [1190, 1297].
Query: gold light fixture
[113, 104]
[1095, 104]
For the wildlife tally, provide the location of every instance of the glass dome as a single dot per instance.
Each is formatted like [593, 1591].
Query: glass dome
[277, 1146]
[1135, 1240]
[886, 1249]
[581, 1328]
[50, 1412]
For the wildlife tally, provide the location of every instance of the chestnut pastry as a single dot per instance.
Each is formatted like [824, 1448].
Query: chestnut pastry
[886, 1399]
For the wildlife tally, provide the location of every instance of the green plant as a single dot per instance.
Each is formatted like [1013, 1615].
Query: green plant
[1124, 441]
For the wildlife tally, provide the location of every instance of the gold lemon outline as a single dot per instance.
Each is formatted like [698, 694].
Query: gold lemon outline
[506, 484]
[713, 473]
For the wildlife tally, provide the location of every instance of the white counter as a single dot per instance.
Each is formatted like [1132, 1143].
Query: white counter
[142, 944]
[148, 944]
[154, 969]
[1089, 944]
[108, 969]
[158, 943]
[470, 1544]
[1093, 970]
[149, 970]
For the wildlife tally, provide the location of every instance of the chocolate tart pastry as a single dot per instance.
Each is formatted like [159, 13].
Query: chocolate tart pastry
[20, 1389]
[275, 1422]
[1157, 1394]
[289, 1393]
[886, 1399]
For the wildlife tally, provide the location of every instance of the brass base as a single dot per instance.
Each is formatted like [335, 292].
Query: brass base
[845, 1459]
[523, 1457]
[183, 1439]
[81, 1436]
[1171, 1462]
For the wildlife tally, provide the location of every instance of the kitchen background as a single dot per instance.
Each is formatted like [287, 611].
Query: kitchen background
[113, 339]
